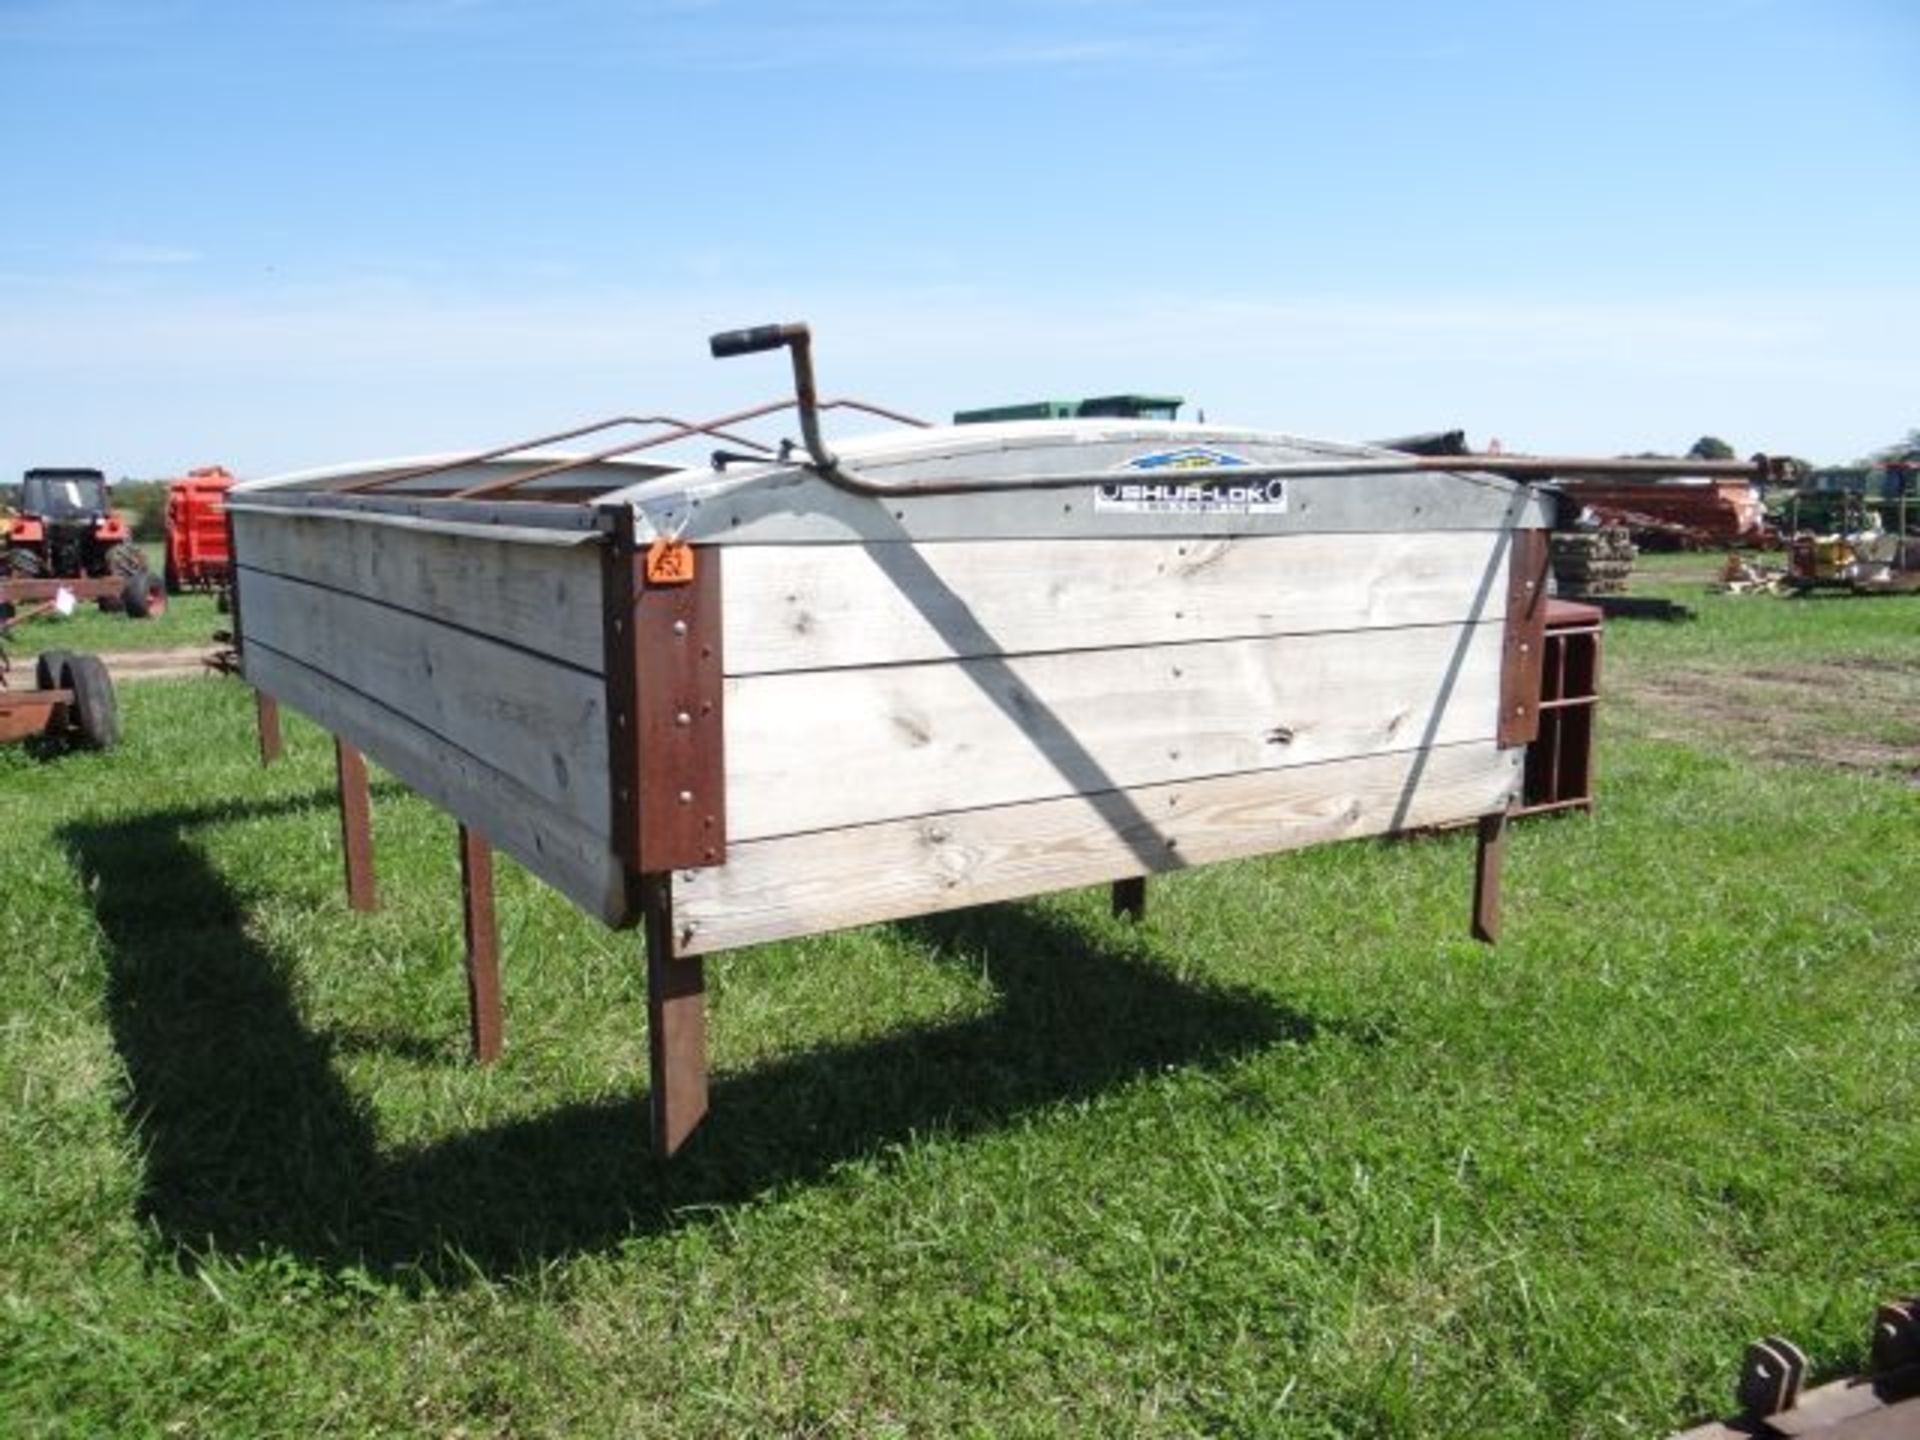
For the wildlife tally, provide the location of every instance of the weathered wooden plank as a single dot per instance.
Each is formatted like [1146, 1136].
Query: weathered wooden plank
[543, 598]
[801, 885]
[574, 859]
[819, 750]
[541, 722]
[812, 607]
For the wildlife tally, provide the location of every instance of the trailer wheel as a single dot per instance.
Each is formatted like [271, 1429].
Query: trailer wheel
[95, 711]
[138, 597]
[51, 669]
[170, 578]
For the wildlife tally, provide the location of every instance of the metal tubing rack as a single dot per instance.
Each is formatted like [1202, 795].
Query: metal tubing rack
[797, 339]
[1559, 770]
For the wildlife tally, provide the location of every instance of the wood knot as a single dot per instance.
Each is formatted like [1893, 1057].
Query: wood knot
[917, 731]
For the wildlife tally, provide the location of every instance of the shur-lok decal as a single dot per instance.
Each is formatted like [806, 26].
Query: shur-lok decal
[1209, 497]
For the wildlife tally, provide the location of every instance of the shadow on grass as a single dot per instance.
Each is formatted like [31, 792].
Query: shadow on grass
[252, 1143]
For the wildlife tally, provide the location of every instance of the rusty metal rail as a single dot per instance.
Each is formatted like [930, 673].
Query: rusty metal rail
[500, 452]
[797, 340]
[678, 429]
[496, 487]
[1513, 467]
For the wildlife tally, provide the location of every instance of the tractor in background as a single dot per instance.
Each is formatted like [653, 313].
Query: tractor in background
[61, 532]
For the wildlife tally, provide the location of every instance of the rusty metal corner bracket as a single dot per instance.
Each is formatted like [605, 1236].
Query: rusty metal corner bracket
[665, 708]
[1525, 639]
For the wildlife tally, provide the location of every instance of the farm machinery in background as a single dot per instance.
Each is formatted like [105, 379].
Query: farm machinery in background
[196, 556]
[1686, 512]
[1847, 544]
[62, 535]
[1835, 538]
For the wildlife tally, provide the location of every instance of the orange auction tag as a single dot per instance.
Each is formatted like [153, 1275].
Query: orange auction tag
[669, 562]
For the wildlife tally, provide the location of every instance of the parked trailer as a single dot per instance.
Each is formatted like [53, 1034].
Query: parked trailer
[940, 667]
[1686, 513]
[71, 699]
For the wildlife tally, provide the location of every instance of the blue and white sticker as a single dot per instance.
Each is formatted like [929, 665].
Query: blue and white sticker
[1170, 497]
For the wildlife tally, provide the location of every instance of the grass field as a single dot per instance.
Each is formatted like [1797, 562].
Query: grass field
[1293, 1158]
[1829, 679]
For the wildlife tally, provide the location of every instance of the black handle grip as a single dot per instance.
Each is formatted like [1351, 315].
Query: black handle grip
[747, 342]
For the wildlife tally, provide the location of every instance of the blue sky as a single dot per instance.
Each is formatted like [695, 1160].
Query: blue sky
[283, 235]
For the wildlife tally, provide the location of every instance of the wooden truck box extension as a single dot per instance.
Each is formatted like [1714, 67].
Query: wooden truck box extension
[770, 701]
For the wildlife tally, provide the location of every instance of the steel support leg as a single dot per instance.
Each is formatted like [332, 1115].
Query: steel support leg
[266, 710]
[1130, 898]
[1486, 877]
[356, 825]
[676, 1024]
[483, 946]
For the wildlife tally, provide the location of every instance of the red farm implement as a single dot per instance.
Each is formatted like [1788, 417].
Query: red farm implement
[197, 556]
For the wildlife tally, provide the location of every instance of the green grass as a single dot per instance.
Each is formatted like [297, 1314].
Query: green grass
[1764, 629]
[189, 620]
[1293, 1158]
[1828, 677]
